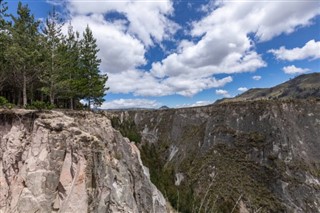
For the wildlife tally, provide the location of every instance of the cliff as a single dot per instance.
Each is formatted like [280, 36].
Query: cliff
[238, 156]
[258, 156]
[70, 162]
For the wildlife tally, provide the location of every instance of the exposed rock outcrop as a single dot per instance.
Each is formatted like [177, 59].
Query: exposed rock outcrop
[53, 162]
[259, 156]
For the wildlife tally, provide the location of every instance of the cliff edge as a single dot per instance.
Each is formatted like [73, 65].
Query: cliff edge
[70, 162]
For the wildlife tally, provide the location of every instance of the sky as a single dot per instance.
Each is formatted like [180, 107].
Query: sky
[190, 53]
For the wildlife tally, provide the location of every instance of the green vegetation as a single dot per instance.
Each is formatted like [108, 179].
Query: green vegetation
[224, 166]
[44, 66]
[235, 176]
[127, 128]
[3, 101]
[5, 104]
[40, 105]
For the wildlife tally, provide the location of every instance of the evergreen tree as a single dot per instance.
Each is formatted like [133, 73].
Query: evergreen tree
[71, 66]
[51, 75]
[23, 54]
[92, 84]
[3, 41]
[47, 66]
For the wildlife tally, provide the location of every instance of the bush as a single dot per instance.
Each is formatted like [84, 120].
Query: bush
[3, 101]
[40, 105]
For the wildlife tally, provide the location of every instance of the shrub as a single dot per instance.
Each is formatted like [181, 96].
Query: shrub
[3, 101]
[40, 105]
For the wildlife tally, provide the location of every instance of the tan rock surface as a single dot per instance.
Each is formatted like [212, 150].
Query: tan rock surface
[53, 162]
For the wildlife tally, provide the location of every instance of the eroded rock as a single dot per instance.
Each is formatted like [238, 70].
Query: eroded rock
[52, 162]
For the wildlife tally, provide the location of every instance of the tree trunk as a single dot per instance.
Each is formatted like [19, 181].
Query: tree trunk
[71, 103]
[51, 97]
[24, 89]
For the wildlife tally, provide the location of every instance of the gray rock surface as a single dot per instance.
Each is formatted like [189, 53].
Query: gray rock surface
[258, 156]
[71, 162]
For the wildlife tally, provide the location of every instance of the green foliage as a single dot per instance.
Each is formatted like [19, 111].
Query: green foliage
[53, 66]
[235, 174]
[40, 105]
[47, 66]
[182, 197]
[3, 41]
[92, 84]
[5, 104]
[127, 128]
[23, 53]
[3, 101]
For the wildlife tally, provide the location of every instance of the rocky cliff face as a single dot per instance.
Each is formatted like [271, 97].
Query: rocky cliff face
[53, 162]
[260, 156]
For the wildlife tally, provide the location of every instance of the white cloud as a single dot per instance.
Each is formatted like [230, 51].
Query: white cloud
[225, 93]
[118, 51]
[310, 50]
[196, 104]
[223, 44]
[254, 17]
[294, 70]
[145, 84]
[130, 103]
[256, 77]
[242, 89]
[148, 20]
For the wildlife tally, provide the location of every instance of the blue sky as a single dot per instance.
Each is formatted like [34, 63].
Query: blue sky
[186, 53]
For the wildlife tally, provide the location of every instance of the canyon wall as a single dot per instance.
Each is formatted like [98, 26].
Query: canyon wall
[250, 156]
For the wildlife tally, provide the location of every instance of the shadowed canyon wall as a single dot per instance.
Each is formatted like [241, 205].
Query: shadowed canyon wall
[259, 156]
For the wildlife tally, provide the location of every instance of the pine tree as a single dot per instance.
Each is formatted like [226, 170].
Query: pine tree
[92, 83]
[23, 54]
[72, 66]
[3, 14]
[53, 65]
[3, 42]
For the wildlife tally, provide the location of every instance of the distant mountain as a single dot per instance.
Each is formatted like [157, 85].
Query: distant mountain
[164, 107]
[301, 87]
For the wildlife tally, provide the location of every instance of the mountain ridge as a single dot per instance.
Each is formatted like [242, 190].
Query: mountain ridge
[301, 87]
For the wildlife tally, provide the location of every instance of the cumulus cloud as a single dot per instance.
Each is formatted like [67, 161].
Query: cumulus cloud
[130, 103]
[242, 89]
[256, 77]
[145, 84]
[224, 45]
[148, 20]
[254, 17]
[119, 51]
[220, 42]
[225, 93]
[311, 50]
[294, 70]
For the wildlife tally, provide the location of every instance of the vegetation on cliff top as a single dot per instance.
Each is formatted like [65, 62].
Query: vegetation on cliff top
[39, 63]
